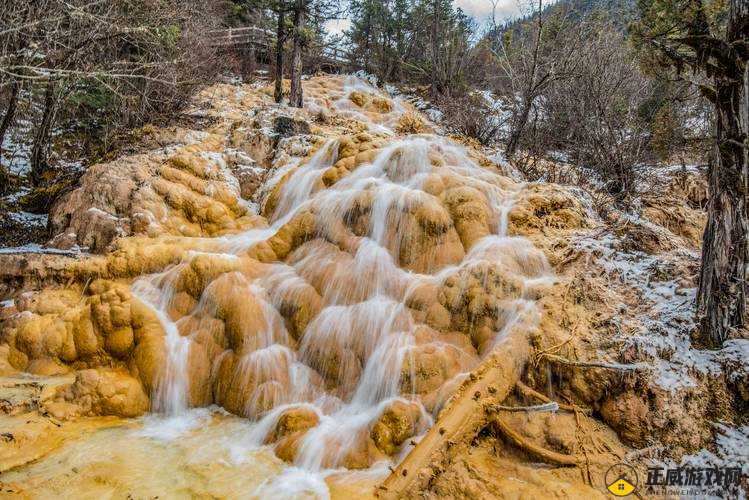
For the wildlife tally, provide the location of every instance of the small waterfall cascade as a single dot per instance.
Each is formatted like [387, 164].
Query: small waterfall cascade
[399, 277]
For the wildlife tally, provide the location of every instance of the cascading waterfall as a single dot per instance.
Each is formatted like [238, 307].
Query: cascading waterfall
[171, 393]
[364, 333]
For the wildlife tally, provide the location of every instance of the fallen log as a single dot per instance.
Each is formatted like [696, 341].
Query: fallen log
[462, 419]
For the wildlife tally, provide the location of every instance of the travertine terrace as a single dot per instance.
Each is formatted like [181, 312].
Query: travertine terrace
[365, 294]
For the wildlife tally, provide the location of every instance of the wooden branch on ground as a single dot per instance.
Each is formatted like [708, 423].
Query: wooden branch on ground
[596, 364]
[533, 449]
[530, 392]
[551, 406]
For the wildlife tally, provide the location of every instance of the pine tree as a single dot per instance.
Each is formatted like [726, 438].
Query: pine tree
[418, 40]
[709, 41]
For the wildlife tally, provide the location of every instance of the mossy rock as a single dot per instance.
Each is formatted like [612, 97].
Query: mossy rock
[41, 198]
[285, 126]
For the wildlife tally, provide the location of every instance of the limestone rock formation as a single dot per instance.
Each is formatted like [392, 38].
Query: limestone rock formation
[342, 276]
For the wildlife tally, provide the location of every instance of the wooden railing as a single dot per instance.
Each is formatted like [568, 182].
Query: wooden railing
[265, 39]
[252, 35]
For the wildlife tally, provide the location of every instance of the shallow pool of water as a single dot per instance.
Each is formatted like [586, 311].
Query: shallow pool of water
[197, 455]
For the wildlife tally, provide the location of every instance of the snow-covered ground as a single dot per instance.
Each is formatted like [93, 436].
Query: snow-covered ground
[661, 330]
[17, 148]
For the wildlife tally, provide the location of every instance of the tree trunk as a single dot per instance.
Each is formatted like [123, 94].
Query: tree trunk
[435, 46]
[517, 130]
[722, 295]
[15, 87]
[529, 91]
[278, 92]
[41, 139]
[296, 57]
[10, 114]
[367, 28]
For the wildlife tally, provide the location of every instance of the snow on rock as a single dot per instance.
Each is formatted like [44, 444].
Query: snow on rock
[35, 248]
[28, 219]
[661, 329]
[730, 450]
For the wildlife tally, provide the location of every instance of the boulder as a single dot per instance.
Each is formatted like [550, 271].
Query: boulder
[286, 126]
[101, 392]
[397, 422]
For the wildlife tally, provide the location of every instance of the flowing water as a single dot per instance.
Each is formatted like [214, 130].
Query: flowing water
[364, 334]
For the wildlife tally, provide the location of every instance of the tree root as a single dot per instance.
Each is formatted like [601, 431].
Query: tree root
[529, 392]
[540, 452]
[594, 364]
[538, 356]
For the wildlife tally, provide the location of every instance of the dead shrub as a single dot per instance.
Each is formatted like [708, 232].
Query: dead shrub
[410, 123]
[471, 115]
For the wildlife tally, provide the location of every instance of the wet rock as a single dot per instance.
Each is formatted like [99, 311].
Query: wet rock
[47, 367]
[428, 366]
[6, 368]
[191, 194]
[411, 124]
[548, 207]
[258, 144]
[249, 175]
[361, 454]
[359, 98]
[398, 422]
[286, 126]
[90, 216]
[293, 421]
[288, 447]
[470, 210]
[101, 392]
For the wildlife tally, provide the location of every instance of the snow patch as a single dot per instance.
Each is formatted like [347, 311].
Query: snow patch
[661, 330]
[29, 219]
[35, 248]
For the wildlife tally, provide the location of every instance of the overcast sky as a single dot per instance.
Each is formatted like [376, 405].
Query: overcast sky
[480, 10]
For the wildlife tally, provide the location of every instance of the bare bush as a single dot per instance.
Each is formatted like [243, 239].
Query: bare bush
[578, 97]
[471, 115]
[105, 65]
[595, 116]
[536, 167]
[538, 53]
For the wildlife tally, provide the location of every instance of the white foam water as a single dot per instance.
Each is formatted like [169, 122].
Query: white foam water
[364, 318]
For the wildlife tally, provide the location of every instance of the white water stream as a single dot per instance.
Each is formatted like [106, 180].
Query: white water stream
[364, 309]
